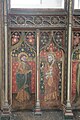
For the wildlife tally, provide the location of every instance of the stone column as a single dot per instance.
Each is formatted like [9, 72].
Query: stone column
[1, 50]
[6, 105]
[68, 112]
[37, 107]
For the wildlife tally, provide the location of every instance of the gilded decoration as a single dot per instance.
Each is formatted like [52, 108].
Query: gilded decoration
[51, 65]
[23, 72]
[51, 76]
[15, 38]
[30, 39]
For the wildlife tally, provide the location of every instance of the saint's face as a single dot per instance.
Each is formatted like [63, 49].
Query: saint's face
[50, 58]
[24, 58]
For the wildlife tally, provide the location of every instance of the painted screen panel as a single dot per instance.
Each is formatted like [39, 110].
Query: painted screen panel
[51, 69]
[23, 72]
[76, 70]
[23, 68]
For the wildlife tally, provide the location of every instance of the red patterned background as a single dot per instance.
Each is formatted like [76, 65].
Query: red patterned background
[14, 69]
[58, 54]
[74, 68]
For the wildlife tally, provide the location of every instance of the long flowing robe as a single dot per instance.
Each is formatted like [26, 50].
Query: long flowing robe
[23, 80]
[51, 82]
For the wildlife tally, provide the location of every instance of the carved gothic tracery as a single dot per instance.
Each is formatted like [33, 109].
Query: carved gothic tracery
[76, 21]
[41, 21]
[76, 45]
[21, 20]
[38, 20]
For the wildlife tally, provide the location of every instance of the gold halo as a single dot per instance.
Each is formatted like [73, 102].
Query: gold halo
[22, 53]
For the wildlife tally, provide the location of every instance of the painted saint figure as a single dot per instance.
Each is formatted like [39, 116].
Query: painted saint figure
[51, 79]
[78, 81]
[23, 79]
[76, 100]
